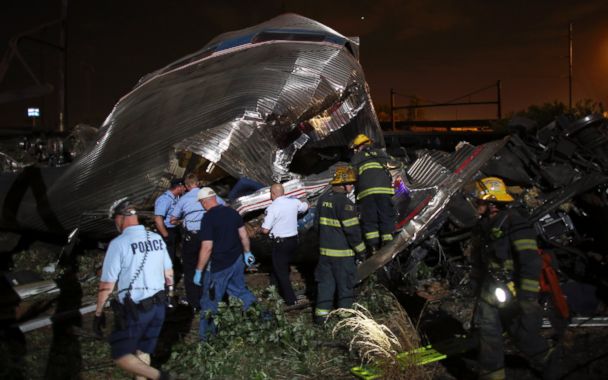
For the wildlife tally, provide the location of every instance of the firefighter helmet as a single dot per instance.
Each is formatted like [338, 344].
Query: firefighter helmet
[344, 175]
[360, 140]
[492, 189]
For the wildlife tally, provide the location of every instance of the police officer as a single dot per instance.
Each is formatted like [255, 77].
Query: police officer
[507, 266]
[374, 192]
[339, 241]
[281, 222]
[224, 252]
[188, 212]
[138, 262]
[163, 207]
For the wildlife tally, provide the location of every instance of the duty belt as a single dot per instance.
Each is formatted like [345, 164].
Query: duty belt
[190, 235]
[147, 303]
[279, 240]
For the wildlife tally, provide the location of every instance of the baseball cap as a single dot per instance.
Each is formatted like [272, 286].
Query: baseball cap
[205, 192]
[175, 182]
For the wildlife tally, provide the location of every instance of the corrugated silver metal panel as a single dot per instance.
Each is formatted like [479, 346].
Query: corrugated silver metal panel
[433, 167]
[466, 162]
[244, 106]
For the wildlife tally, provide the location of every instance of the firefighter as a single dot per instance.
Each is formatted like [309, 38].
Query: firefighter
[374, 192]
[339, 242]
[507, 266]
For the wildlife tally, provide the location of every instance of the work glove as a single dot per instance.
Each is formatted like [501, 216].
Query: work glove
[99, 323]
[249, 259]
[197, 277]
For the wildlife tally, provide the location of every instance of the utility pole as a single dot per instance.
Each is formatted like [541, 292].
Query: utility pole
[499, 99]
[63, 76]
[570, 68]
[393, 110]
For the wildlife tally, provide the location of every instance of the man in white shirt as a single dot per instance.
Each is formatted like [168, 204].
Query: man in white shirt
[281, 222]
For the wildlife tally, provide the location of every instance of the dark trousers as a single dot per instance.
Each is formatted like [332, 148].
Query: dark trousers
[523, 321]
[190, 249]
[282, 254]
[230, 280]
[377, 219]
[334, 274]
[171, 241]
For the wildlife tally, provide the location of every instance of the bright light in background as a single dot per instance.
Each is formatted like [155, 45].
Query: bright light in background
[362, 17]
[33, 112]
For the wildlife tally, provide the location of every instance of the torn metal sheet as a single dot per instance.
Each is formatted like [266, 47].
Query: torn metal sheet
[447, 173]
[246, 104]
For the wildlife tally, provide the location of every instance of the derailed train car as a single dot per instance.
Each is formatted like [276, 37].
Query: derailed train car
[276, 101]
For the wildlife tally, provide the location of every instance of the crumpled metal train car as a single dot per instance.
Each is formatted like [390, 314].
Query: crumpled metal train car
[272, 102]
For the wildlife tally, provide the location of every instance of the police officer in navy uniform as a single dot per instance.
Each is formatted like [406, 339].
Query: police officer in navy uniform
[163, 207]
[507, 268]
[224, 253]
[339, 242]
[137, 262]
[374, 192]
[281, 222]
[189, 213]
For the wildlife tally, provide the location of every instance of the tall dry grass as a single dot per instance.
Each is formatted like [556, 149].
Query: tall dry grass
[379, 344]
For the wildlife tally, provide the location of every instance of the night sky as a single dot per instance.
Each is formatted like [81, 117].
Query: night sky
[436, 50]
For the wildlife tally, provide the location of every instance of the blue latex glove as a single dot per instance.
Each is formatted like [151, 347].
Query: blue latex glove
[249, 259]
[197, 277]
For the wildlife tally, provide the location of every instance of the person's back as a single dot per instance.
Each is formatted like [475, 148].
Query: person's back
[132, 247]
[339, 242]
[221, 225]
[287, 217]
[339, 232]
[223, 254]
[370, 165]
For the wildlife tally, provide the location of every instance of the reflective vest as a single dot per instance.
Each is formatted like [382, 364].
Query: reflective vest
[339, 231]
[373, 176]
[508, 245]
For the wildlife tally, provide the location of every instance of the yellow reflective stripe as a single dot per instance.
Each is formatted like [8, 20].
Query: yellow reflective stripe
[360, 247]
[375, 190]
[525, 244]
[530, 285]
[329, 222]
[508, 264]
[387, 237]
[350, 222]
[336, 252]
[372, 235]
[370, 165]
[321, 312]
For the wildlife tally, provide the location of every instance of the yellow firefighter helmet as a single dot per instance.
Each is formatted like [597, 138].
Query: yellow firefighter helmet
[344, 175]
[360, 140]
[492, 189]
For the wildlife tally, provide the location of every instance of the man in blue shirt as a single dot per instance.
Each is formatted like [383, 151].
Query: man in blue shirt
[224, 239]
[138, 263]
[188, 212]
[163, 207]
[281, 222]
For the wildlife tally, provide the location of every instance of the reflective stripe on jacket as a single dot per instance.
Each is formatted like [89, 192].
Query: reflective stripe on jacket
[339, 231]
[508, 243]
[373, 176]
